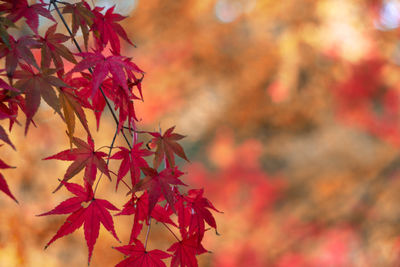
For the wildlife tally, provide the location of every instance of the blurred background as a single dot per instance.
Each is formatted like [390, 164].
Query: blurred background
[292, 115]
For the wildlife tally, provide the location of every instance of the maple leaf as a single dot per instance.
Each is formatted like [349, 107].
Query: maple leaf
[159, 183]
[140, 207]
[124, 104]
[53, 50]
[193, 211]
[106, 29]
[17, 51]
[4, 137]
[166, 147]
[10, 103]
[114, 64]
[20, 8]
[139, 257]
[84, 156]
[85, 210]
[82, 17]
[84, 92]
[3, 184]
[185, 252]
[72, 107]
[34, 85]
[132, 160]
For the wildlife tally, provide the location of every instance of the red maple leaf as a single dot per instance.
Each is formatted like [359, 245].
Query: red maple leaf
[84, 156]
[185, 252]
[9, 106]
[124, 105]
[132, 160]
[17, 9]
[84, 85]
[86, 210]
[18, 50]
[140, 207]
[82, 17]
[193, 211]
[3, 184]
[158, 184]
[4, 137]
[139, 257]
[106, 29]
[34, 85]
[53, 50]
[166, 147]
[116, 65]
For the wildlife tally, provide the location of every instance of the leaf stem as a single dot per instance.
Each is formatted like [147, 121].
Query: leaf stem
[169, 229]
[108, 160]
[127, 185]
[147, 234]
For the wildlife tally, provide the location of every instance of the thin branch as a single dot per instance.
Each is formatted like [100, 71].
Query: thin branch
[108, 160]
[133, 130]
[90, 70]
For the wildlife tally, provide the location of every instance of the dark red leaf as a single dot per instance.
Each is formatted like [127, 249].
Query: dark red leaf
[53, 50]
[37, 85]
[166, 147]
[4, 137]
[17, 9]
[84, 156]
[3, 184]
[82, 17]
[159, 184]
[18, 50]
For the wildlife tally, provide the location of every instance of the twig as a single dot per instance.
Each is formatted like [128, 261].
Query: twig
[90, 70]
[108, 160]
[169, 229]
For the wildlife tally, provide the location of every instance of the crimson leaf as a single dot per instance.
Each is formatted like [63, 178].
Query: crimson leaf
[131, 160]
[185, 252]
[106, 29]
[86, 210]
[116, 65]
[139, 257]
[140, 207]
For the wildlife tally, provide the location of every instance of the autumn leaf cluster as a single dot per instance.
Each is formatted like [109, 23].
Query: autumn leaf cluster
[100, 76]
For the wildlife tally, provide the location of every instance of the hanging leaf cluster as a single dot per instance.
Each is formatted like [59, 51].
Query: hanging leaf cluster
[101, 76]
